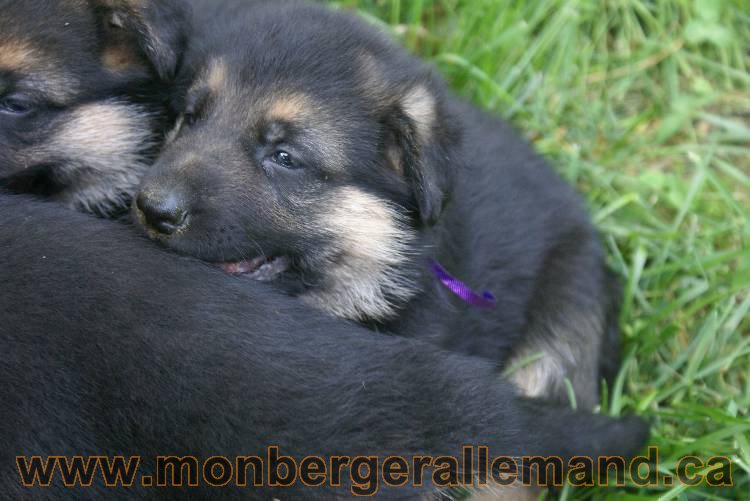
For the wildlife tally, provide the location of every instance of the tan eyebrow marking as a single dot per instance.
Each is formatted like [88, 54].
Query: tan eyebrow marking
[17, 55]
[290, 107]
[318, 126]
[36, 70]
[118, 58]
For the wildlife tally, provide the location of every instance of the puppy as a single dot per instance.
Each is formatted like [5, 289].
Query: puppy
[314, 152]
[83, 90]
[148, 354]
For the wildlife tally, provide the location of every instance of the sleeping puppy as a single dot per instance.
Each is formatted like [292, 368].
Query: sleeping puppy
[83, 91]
[314, 152]
[149, 354]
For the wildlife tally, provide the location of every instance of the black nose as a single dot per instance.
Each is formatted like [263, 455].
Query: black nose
[164, 213]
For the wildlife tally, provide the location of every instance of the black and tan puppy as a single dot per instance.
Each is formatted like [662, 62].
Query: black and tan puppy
[315, 152]
[83, 91]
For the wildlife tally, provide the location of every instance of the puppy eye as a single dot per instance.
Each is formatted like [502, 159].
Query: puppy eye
[284, 159]
[16, 105]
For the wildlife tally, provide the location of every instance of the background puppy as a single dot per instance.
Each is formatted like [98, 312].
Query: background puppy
[314, 151]
[82, 95]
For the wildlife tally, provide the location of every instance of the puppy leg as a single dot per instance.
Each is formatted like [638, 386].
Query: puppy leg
[572, 331]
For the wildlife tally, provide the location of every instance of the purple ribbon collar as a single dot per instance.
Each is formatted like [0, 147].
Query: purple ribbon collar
[460, 289]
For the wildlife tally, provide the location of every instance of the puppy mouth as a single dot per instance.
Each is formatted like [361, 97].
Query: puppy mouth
[262, 269]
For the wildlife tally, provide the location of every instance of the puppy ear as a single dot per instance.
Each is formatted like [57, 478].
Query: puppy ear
[154, 30]
[420, 144]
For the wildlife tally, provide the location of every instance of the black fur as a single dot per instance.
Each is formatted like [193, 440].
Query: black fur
[111, 346]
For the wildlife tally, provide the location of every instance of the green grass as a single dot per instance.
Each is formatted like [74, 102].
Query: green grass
[645, 106]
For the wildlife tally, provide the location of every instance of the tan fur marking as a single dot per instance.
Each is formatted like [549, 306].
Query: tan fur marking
[368, 67]
[419, 105]
[313, 119]
[17, 55]
[370, 75]
[119, 59]
[214, 77]
[99, 151]
[290, 107]
[395, 159]
[217, 74]
[100, 128]
[536, 378]
[38, 71]
[366, 273]
[567, 351]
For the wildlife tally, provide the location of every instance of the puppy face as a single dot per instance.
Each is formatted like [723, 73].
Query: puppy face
[80, 100]
[313, 160]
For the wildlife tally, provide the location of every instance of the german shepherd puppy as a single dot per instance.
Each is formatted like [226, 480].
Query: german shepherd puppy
[313, 151]
[83, 91]
[203, 364]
